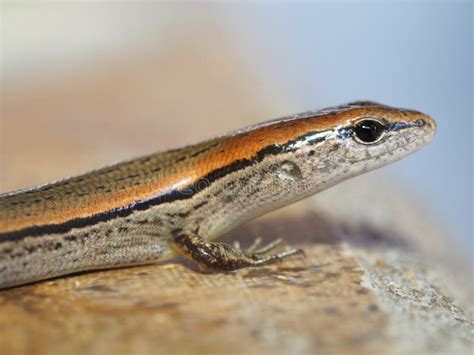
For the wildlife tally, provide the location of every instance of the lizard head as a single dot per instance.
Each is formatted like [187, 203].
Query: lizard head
[370, 135]
[328, 146]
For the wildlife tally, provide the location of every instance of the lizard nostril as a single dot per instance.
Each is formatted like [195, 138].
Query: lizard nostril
[426, 120]
[419, 123]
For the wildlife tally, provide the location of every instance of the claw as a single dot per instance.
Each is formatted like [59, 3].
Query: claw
[269, 247]
[258, 260]
[254, 245]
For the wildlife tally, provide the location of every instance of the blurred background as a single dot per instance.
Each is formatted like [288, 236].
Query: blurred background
[87, 84]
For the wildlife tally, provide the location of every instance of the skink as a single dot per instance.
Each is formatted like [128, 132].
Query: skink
[177, 202]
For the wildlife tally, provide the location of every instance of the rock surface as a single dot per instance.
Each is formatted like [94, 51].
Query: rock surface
[340, 298]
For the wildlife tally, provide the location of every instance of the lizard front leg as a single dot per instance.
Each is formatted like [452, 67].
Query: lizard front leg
[223, 256]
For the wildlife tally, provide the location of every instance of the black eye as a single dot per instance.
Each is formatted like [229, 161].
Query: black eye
[369, 131]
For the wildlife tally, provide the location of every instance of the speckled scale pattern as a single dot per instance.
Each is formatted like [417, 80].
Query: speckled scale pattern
[116, 216]
[125, 183]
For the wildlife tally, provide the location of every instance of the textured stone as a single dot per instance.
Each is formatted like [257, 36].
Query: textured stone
[339, 298]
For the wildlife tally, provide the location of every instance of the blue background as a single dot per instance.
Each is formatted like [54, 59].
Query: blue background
[412, 54]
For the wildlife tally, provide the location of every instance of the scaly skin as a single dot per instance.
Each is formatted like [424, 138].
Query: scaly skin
[177, 202]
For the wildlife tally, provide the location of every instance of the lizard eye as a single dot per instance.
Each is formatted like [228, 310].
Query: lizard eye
[369, 131]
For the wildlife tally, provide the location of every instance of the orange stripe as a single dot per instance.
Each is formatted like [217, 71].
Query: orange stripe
[242, 146]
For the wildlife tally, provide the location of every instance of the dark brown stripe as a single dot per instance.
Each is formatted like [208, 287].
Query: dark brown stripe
[171, 196]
